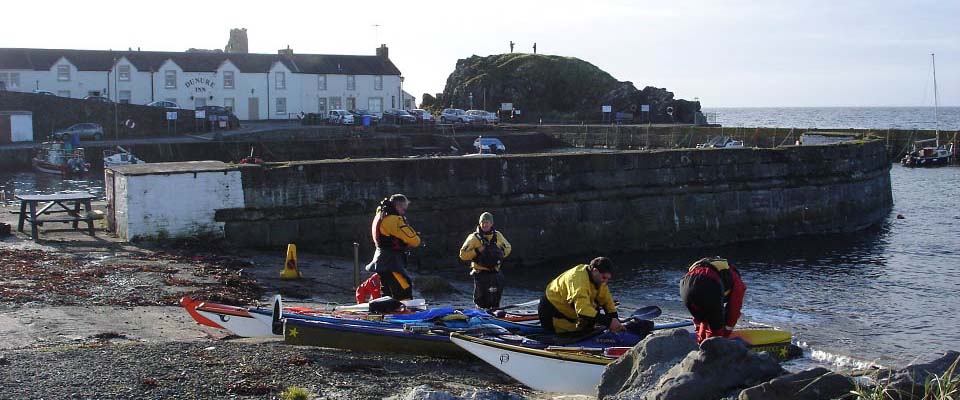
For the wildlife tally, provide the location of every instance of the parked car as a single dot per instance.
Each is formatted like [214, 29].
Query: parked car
[86, 130]
[340, 117]
[483, 117]
[455, 115]
[489, 146]
[163, 104]
[215, 114]
[44, 92]
[359, 114]
[97, 99]
[398, 117]
[422, 116]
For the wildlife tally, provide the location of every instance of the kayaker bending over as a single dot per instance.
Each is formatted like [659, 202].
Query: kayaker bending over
[573, 300]
[485, 249]
[713, 292]
[393, 236]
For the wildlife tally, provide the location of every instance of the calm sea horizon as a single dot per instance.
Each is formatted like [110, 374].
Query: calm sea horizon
[836, 117]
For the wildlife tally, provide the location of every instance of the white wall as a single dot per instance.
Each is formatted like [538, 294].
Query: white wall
[21, 126]
[174, 204]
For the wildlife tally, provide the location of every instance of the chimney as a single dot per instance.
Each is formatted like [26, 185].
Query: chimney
[286, 52]
[383, 52]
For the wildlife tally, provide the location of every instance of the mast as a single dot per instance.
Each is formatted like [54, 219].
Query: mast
[936, 100]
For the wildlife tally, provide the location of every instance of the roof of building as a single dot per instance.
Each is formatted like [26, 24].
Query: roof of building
[103, 60]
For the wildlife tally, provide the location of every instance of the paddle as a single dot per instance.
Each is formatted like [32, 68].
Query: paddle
[517, 305]
[648, 312]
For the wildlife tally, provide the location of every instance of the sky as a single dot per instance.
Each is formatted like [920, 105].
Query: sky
[723, 53]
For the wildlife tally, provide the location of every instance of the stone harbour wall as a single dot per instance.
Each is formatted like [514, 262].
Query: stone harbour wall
[571, 204]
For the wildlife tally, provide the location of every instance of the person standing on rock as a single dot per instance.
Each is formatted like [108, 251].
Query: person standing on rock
[573, 300]
[713, 293]
[392, 236]
[485, 249]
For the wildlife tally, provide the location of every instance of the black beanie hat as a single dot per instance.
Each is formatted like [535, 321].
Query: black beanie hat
[602, 264]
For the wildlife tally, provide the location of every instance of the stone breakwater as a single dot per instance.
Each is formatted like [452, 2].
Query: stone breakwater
[558, 205]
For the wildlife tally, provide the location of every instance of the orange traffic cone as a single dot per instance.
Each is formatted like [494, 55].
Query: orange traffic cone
[290, 270]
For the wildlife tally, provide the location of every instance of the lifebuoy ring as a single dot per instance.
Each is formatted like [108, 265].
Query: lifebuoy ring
[633, 108]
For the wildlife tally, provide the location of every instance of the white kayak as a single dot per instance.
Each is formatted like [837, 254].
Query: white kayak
[576, 370]
[544, 370]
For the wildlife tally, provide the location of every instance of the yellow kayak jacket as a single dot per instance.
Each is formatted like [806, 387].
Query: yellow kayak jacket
[469, 250]
[575, 296]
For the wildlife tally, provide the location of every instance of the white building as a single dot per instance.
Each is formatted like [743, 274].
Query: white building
[255, 86]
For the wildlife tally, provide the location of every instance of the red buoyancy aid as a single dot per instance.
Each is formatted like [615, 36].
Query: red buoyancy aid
[384, 241]
[733, 287]
[369, 289]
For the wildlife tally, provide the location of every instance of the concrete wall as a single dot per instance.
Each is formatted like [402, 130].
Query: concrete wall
[558, 205]
[151, 201]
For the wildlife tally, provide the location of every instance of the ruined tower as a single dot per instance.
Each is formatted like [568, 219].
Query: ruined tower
[238, 41]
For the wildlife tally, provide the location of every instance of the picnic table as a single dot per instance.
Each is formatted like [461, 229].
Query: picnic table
[39, 208]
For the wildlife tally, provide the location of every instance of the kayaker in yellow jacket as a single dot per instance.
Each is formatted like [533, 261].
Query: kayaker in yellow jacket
[485, 249]
[392, 237]
[573, 300]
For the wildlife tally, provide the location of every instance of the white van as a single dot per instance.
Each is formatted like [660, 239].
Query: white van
[340, 117]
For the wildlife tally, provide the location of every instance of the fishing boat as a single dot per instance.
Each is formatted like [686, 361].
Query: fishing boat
[119, 156]
[55, 158]
[578, 369]
[927, 156]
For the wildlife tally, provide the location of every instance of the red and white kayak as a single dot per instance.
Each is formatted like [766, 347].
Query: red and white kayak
[258, 322]
[572, 370]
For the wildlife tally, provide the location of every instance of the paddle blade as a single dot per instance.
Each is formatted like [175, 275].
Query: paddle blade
[648, 312]
[277, 326]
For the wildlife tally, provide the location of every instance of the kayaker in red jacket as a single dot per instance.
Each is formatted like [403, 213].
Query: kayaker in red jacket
[713, 293]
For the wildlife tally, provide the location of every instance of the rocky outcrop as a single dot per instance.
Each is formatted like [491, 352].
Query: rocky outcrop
[555, 88]
[908, 383]
[812, 384]
[640, 368]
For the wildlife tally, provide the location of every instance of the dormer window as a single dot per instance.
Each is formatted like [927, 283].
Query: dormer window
[63, 73]
[281, 80]
[123, 73]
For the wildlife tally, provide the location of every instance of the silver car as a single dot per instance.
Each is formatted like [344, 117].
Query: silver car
[483, 117]
[86, 130]
[340, 117]
[455, 115]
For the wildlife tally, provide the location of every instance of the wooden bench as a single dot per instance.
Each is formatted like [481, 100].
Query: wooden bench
[68, 203]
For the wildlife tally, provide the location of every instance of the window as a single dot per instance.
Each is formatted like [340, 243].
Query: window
[322, 106]
[63, 72]
[228, 103]
[378, 82]
[124, 96]
[170, 79]
[351, 82]
[321, 82]
[281, 80]
[375, 104]
[228, 80]
[9, 81]
[335, 103]
[199, 102]
[393, 101]
[351, 103]
[63, 93]
[123, 73]
[281, 105]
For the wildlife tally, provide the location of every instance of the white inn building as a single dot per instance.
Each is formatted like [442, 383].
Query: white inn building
[254, 86]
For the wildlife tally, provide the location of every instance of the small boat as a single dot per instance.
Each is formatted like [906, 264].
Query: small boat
[930, 156]
[575, 369]
[120, 156]
[55, 158]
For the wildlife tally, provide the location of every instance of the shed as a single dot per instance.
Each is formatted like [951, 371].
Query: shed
[168, 200]
[16, 126]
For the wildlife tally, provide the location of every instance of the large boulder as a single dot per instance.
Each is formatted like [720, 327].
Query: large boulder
[721, 366]
[640, 368]
[812, 384]
[908, 383]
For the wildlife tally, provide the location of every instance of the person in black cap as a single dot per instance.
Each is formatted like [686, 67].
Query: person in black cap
[486, 248]
[573, 300]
